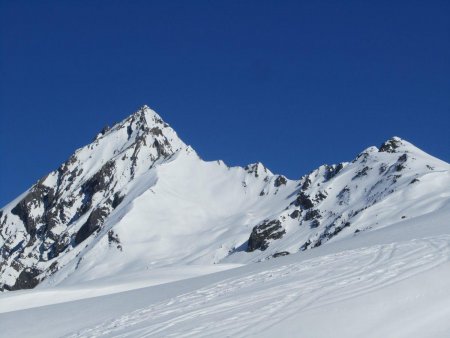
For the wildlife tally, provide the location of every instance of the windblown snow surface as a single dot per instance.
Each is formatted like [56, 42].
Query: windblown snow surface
[393, 282]
[136, 236]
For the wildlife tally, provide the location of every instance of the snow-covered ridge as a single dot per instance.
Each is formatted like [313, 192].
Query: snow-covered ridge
[139, 198]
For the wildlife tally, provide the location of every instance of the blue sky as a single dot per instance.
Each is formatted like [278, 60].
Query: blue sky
[291, 84]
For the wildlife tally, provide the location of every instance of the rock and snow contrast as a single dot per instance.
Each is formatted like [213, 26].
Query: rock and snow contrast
[135, 235]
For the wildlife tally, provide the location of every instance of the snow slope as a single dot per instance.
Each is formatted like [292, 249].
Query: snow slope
[391, 282]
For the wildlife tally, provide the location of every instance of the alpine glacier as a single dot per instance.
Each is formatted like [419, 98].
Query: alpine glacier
[137, 214]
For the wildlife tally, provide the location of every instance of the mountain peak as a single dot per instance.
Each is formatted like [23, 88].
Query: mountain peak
[392, 144]
[144, 118]
[257, 169]
[143, 128]
[149, 114]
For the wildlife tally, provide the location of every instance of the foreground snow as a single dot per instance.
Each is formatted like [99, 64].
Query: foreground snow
[392, 282]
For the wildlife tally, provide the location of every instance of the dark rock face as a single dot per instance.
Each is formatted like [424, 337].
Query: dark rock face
[333, 170]
[102, 132]
[93, 223]
[339, 228]
[304, 201]
[305, 245]
[58, 247]
[280, 254]
[361, 173]
[403, 158]
[280, 180]
[314, 224]
[312, 214]
[382, 169]
[105, 130]
[156, 131]
[331, 231]
[39, 194]
[295, 214]
[263, 233]
[320, 196]
[98, 182]
[26, 280]
[400, 162]
[399, 167]
[306, 184]
[344, 195]
[117, 200]
[161, 150]
[390, 146]
[113, 239]
[256, 169]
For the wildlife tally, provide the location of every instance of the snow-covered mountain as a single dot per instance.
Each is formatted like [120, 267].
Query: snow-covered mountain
[138, 198]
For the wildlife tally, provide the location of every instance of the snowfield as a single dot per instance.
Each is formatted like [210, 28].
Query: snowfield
[393, 282]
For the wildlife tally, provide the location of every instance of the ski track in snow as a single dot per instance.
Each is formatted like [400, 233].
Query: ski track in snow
[248, 305]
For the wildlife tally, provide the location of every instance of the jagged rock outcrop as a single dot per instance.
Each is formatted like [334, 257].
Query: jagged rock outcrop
[263, 233]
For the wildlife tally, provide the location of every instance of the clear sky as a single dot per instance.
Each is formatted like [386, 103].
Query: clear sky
[293, 84]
